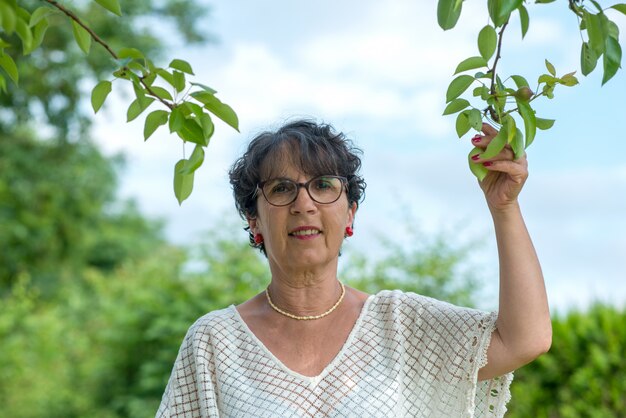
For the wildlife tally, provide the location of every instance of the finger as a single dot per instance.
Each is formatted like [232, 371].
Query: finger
[518, 172]
[483, 140]
[506, 154]
[489, 130]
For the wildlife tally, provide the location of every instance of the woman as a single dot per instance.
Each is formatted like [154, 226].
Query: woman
[311, 347]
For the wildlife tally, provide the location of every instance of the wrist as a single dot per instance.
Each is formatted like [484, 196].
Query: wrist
[504, 212]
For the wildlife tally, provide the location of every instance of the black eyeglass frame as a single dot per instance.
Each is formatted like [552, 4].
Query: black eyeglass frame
[344, 182]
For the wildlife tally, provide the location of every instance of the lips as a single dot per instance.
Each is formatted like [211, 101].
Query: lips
[305, 231]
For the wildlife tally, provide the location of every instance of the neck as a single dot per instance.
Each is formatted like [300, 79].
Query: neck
[305, 296]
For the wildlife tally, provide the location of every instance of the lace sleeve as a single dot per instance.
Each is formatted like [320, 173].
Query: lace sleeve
[451, 346]
[187, 394]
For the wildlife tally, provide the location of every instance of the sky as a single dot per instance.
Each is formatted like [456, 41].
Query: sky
[378, 71]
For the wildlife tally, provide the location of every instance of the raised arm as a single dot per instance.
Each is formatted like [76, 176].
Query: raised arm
[524, 330]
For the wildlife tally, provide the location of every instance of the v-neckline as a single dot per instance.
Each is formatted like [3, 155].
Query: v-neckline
[311, 380]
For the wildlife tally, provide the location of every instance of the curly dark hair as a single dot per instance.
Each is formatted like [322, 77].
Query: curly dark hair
[316, 148]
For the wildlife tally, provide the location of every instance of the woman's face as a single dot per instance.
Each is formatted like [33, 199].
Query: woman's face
[304, 234]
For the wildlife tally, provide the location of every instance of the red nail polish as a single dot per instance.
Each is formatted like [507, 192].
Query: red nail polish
[488, 164]
[476, 157]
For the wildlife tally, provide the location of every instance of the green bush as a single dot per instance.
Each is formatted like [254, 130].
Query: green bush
[583, 375]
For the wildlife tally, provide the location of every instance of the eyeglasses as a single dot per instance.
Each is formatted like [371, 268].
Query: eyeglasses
[322, 189]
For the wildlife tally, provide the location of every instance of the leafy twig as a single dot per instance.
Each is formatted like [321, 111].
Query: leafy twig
[492, 89]
[76, 19]
[106, 46]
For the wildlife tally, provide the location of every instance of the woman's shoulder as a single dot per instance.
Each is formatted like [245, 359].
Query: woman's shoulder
[398, 300]
[215, 321]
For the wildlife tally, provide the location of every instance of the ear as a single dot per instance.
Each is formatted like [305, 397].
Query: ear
[351, 213]
[253, 224]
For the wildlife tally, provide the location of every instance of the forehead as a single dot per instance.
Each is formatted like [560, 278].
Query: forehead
[290, 160]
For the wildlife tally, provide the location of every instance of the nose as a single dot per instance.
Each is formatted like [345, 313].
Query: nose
[303, 202]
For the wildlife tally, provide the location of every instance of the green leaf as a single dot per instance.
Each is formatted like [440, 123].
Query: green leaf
[178, 81]
[569, 79]
[517, 144]
[496, 145]
[620, 7]
[487, 42]
[132, 53]
[456, 105]
[548, 79]
[183, 183]
[475, 119]
[462, 123]
[38, 33]
[595, 32]
[612, 29]
[161, 93]
[500, 10]
[530, 121]
[204, 87]
[39, 14]
[24, 33]
[8, 17]
[140, 92]
[482, 91]
[219, 109]
[458, 86]
[598, 7]
[83, 38]
[191, 131]
[448, 13]
[153, 121]
[165, 75]
[520, 81]
[588, 59]
[207, 126]
[192, 108]
[7, 63]
[550, 68]
[137, 107]
[112, 6]
[181, 65]
[544, 124]
[509, 127]
[524, 20]
[99, 94]
[177, 118]
[195, 161]
[470, 64]
[477, 169]
[3, 84]
[612, 58]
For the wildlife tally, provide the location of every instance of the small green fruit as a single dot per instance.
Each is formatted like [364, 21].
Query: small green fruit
[524, 93]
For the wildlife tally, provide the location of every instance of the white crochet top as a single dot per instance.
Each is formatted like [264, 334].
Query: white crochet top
[407, 356]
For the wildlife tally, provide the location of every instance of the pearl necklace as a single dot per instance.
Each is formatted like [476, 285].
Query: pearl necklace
[305, 318]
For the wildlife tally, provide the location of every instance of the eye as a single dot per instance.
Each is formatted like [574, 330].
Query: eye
[280, 187]
[325, 183]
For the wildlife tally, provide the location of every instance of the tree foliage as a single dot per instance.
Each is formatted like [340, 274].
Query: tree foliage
[583, 375]
[187, 107]
[505, 100]
[59, 213]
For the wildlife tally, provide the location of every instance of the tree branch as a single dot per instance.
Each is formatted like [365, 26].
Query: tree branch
[106, 46]
[492, 90]
[76, 19]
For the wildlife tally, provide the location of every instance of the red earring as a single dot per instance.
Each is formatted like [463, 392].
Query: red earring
[258, 239]
[349, 231]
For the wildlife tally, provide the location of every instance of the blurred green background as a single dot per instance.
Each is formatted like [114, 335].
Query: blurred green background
[94, 301]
